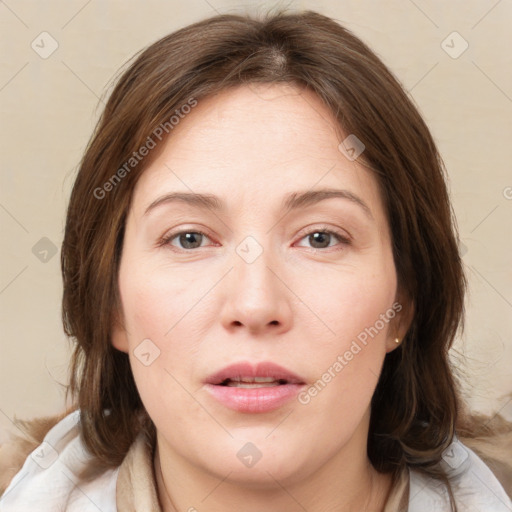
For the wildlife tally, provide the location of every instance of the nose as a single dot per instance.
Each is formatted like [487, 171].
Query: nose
[257, 298]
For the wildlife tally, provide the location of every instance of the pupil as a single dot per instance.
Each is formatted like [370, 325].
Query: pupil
[319, 237]
[187, 240]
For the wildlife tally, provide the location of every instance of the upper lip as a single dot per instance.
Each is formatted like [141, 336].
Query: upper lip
[262, 369]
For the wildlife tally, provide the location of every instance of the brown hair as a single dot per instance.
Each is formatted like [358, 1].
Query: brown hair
[415, 406]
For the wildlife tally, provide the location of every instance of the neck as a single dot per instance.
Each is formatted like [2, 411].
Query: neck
[336, 487]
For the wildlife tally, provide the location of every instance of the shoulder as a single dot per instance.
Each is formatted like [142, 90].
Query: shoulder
[496, 452]
[475, 486]
[48, 476]
[14, 451]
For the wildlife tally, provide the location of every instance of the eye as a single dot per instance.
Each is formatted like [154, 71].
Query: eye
[187, 239]
[322, 238]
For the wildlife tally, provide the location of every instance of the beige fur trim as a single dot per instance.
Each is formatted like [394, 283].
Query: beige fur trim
[496, 452]
[14, 452]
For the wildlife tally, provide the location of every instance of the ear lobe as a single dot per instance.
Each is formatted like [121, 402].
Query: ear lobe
[119, 337]
[400, 324]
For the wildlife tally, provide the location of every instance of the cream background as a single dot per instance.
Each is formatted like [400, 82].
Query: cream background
[49, 107]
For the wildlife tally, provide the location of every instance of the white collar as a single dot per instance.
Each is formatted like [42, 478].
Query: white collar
[47, 480]
[474, 485]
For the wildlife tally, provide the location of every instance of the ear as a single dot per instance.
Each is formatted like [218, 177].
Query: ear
[119, 336]
[399, 325]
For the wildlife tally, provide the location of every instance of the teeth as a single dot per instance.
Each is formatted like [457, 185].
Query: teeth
[251, 380]
[259, 379]
[264, 384]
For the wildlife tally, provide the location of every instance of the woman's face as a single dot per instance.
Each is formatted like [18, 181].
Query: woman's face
[307, 283]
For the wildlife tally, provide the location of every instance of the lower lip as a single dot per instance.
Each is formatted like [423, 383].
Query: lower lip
[254, 400]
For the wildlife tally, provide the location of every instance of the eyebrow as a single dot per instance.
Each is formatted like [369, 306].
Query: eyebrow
[292, 201]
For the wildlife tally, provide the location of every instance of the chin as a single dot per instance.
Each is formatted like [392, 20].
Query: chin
[261, 463]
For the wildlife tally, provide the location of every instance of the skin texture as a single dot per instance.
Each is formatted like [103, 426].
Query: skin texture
[299, 304]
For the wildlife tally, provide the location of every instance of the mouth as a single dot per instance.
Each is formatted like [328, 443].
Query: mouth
[259, 388]
[253, 382]
[264, 374]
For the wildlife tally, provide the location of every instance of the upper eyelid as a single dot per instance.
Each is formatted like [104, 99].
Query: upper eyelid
[336, 231]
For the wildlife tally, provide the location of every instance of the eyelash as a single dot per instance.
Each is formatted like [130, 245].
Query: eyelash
[343, 239]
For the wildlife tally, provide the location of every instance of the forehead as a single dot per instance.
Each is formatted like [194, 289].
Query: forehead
[255, 143]
[267, 122]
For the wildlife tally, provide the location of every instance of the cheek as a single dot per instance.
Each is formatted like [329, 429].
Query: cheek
[358, 308]
[161, 324]
[157, 311]
[156, 301]
[343, 302]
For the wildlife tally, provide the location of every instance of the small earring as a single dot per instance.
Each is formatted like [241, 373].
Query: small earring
[397, 341]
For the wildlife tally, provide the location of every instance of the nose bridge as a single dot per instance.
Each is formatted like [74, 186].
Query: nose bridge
[254, 266]
[254, 252]
[256, 296]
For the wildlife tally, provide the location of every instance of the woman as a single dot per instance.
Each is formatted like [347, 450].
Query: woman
[262, 277]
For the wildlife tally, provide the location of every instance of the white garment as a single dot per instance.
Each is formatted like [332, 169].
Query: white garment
[47, 480]
[474, 485]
